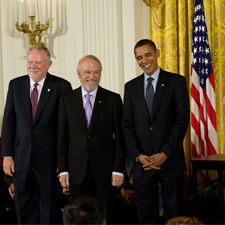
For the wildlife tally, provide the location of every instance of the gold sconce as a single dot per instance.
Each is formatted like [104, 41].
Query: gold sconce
[33, 30]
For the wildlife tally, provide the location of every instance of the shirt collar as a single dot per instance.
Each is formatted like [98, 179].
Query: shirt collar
[93, 93]
[155, 75]
[41, 83]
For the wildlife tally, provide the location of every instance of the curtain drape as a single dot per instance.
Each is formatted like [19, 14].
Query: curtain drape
[171, 30]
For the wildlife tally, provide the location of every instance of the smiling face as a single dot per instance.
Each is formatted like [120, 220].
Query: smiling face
[37, 65]
[147, 59]
[89, 74]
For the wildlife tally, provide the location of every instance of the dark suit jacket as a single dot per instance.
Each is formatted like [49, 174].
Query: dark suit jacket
[165, 130]
[102, 143]
[22, 138]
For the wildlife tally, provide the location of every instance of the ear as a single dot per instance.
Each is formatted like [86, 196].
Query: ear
[78, 73]
[49, 64]
[157, 53]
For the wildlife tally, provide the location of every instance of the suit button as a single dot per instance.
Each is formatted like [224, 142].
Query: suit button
[88, 136]
[151, 128]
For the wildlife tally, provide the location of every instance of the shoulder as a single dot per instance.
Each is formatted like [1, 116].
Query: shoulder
[135, 81]
[20, 79]
[172, 77]
[19, 82]
[107, 92]
[58, 80]
[72, 93]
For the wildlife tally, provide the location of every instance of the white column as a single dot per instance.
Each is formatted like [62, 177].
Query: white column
[108, 29]
[102, 36]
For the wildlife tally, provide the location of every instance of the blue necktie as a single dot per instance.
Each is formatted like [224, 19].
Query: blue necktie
[88, 109]
[149, 94]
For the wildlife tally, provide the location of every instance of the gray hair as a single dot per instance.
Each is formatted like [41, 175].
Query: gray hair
[88, 57]
[40, 48]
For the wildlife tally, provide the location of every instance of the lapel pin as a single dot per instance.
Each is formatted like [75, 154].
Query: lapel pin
[162, 85]
[48, 90]
[100, 101]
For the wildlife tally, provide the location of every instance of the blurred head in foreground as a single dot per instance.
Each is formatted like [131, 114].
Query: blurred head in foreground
[84, 210]
[184, 220]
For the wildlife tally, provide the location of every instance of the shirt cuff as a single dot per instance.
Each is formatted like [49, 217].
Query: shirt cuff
[64, 173]
[117, 173]
[138, 157]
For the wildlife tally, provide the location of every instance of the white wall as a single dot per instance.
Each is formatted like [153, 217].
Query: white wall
[108, 29]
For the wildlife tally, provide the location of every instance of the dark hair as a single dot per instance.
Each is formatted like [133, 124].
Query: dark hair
[143, 42]
[84, 210]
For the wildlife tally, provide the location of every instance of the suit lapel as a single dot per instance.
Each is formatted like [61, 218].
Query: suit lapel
[99, 102]
[78, 103]
[141, 96]
[25, 96]
[160, 89]
[45, 95]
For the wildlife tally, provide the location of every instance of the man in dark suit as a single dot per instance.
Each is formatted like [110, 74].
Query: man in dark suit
[29, 139]
[154, 123]
[90, 144]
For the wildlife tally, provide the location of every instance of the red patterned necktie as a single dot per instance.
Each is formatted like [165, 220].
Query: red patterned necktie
[34, 100]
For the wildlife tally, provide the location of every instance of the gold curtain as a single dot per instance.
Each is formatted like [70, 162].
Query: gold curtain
[171, 30]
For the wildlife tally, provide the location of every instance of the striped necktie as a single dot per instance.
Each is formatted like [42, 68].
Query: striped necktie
[149, 94]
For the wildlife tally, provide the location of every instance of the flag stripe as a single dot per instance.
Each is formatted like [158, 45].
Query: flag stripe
[203, 108]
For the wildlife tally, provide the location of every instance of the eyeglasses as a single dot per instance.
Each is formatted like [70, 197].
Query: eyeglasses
[95, 73]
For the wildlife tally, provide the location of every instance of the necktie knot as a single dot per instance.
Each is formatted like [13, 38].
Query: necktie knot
[150, 79]
[35, 85]
[88, 96]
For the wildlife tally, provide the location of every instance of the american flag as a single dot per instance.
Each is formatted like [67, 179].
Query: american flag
[203, 110]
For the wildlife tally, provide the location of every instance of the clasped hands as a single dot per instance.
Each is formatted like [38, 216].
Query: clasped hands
[152, 162]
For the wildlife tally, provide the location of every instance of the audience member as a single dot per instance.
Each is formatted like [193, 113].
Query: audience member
[126, 198]
[126, 212]
[185, 220]
[7, 204]
[84, 210]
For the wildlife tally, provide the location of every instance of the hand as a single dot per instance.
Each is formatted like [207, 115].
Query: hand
[224, 100]
[131, 199]
[129, 196]
[11, 190]
[155, 160]
[145, 160]
[66, 191]
[116, 180]
[64, 180]
[8, 166]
